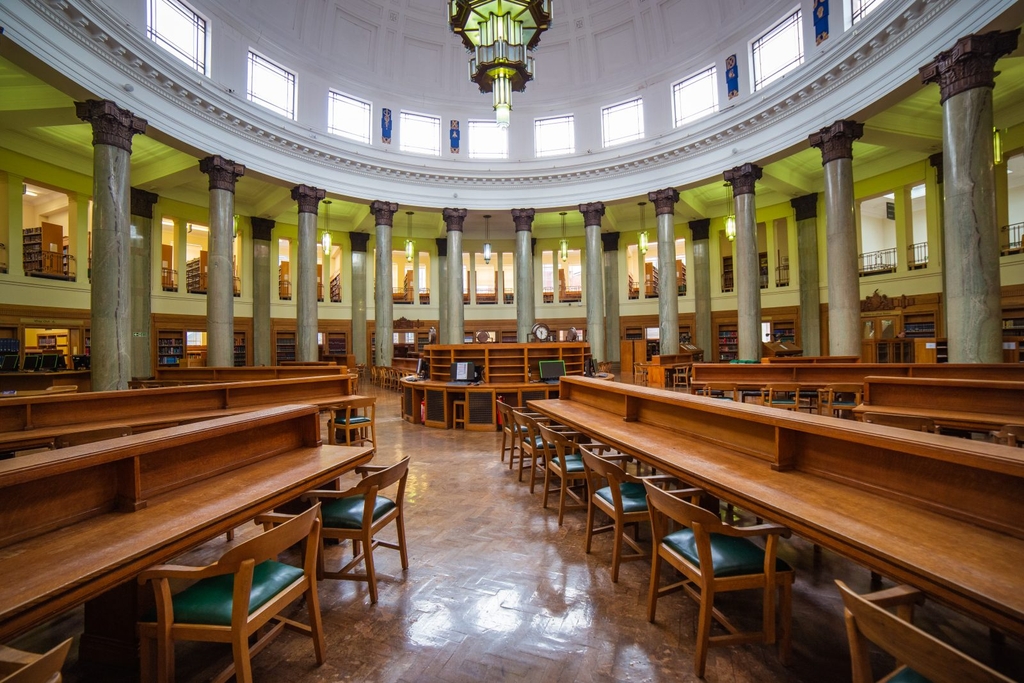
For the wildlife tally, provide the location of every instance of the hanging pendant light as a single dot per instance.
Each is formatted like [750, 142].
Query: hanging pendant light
[997, 146]
[487, 238]
[730, 228]
[643, 229]
[563, 246]
[409, 244]
[325, 240]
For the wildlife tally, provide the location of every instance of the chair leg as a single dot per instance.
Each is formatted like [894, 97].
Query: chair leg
[768, 614]
[371, 574]
[561, 499]
[400, 525]
[164, 658]
[617, 550]
[547, 486]
[590, 524]
[240, 651]
[316, 628]
[785, 624]
[536, 461]
[652, 593]
[700, 658]
[504, 436]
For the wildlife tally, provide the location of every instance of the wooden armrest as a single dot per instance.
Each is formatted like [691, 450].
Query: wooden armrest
[685, 493]
[662, 477]
[272, 518]
[316, 494]
[896, 596]
[177, 571]
[367, 469]
[757, 530]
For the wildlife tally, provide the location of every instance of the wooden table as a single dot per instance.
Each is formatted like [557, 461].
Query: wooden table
[936, 512]
[966, 404]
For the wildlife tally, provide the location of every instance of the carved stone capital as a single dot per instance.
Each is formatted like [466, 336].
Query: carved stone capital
[454, 218]
[261, 228]
[701, 228]
[111, 125]
[523, 219]
[936, 161]
[971, 63]
[223, 172]
[664, 200]
[359, 240]
[806, 207]
[142, 203]
[742, 178]
[308, 198]
[592, 213]
[836, 141]
[610, 241]
[384, 212]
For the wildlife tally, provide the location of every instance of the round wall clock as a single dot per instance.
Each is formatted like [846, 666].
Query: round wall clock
[541, 332]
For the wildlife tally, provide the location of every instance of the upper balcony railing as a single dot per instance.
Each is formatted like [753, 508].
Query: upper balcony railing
[917, 255]
[1010, 239]
[877, 262]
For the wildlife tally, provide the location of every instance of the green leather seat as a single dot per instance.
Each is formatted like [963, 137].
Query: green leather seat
[730, 555]
[573, 463]
[908, 675]
[209, 601]
[347, 513]
[634, 497]
[356, 419]
[538, 443]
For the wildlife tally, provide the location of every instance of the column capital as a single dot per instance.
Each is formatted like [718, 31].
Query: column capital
[970, 63]
[806, 206]
[836, 141]
[308, 198]
[442, 247]
[454, 218]
[359, 240]
[523, 219]
[610, 241]
[223, 172]
[701, 228]
[742, 178]
[936, 162]
[664, 200]
[142, 202]
[384, 212]
[111, 125]
[261, 228]
[592, 213]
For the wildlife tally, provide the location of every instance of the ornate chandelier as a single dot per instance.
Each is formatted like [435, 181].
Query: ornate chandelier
[499, 33]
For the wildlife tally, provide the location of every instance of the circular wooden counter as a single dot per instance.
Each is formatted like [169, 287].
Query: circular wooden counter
[432, 403]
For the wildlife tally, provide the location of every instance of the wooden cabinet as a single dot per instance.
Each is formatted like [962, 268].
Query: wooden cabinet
[506, 363]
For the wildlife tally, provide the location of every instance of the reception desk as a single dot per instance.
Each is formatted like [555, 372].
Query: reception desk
[435, 404]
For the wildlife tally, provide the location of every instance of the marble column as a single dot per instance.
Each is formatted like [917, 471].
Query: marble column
[442, 289]
[806, 208]
[939, 242]
[701, 232]
[110, 319]
[966, 77]
[141, 250]
[262, 229]
[610, 250]
[11, 211]
[526, 306]
[383, 303]
[836, 145]
[668, 289]
[306, 318]
[748, 286]
[220, 279]
[592, 213]
[453, 221]
[359, 240]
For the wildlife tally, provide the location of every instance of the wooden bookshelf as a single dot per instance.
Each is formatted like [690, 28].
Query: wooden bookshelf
[170, 348]
[241, 357]
[506, 363]
[284, 347]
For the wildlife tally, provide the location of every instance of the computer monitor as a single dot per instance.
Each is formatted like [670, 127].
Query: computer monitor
[9, 363]
[33, 362]
[80, 362]
[463, 371]
[62, 362]
[421, 367]
[552, 369]
[48, 361]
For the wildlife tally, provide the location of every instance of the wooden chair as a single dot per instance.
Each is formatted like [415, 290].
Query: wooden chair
[531, 445]
[719, 390]
[511, 433]
[682, 375]
[785, 395]
[356, 424]
[91, 436]
[233, 598]
[623, 499]
[741, 565]
[918, 424]
[922, 656]
[640, 373]
[359, 513]
[1010, 435]
[836, 399]
[17, 666]
[566, 464]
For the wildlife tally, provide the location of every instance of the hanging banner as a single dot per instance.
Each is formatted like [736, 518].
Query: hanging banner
[732, 76]
[820, 21]
[385, 126]
[453, 136]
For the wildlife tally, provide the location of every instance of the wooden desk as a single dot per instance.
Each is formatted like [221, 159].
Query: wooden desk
[247, 373]
[437, 398]
[936, 512]
[82, 521]
[38, 381]
[810, 360]
[973, 405]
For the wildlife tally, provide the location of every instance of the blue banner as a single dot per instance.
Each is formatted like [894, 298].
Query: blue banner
[820, 21]
[732, 76]
[453, 136]
[385, 126]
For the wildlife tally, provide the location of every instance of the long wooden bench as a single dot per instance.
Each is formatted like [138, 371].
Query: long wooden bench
[810, 360]
[247, 373]
[816, 376]
[82, 521]
[936, 512]
[955, 403]
[38, 420]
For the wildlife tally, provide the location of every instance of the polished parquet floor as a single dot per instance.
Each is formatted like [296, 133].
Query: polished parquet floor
[496, 591]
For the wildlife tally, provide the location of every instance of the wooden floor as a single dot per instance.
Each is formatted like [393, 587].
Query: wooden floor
[496, 591]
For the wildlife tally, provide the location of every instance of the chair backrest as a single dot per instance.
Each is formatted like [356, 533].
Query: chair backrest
[531, 427]
[785, 388]
[920, 651]
[270, 543]
[563, 446]
[918, 424]
[668, 506]
[598, 468]
[364, 403]
[45, 669]
[373, 483]
[1010, 435]
[507, 419]
[710, 387]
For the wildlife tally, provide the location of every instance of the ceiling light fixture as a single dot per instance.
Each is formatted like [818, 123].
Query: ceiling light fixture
[500, 33]
[409, 244]
[642, 241]
[325, 241]
[563, 246]
[487, 238]
[997, 146]
[730, 228]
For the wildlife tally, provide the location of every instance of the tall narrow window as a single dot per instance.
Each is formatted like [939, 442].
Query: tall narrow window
[861, 8]
[420, 134]
[176, 28]
[778, 51]
[487, 140]
[556, 135]
[623, 122]
[271, 85]
[348, 117]
[695, 97]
